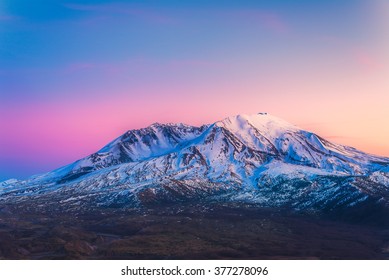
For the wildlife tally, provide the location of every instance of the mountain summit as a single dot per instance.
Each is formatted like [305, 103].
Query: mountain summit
[259, 159]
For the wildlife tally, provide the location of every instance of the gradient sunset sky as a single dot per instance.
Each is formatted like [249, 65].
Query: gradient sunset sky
[76, 74]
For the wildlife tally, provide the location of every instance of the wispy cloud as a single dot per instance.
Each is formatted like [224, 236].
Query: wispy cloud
[8, 17]
[363, 58]
[366, 60]
[104, 68]
[339, 137]
[79, 66]
[330, 39]
[139, 64]
[193, 63]
[270, 20]
[125, 10]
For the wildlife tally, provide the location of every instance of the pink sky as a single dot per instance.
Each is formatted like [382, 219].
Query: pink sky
[74, 77]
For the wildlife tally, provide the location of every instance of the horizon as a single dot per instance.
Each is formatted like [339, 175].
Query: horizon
[74, 75]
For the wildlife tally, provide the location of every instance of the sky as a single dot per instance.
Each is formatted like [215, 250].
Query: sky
[76, 74]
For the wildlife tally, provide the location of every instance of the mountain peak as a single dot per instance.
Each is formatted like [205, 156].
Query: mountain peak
[263, 122]
[156, 124]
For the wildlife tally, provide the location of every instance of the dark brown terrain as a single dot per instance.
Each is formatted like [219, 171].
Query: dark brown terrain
[185, 232]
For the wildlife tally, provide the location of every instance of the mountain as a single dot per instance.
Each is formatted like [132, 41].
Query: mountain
[254, 159]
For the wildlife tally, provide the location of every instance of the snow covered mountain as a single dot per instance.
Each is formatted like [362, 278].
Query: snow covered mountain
[256, 159]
